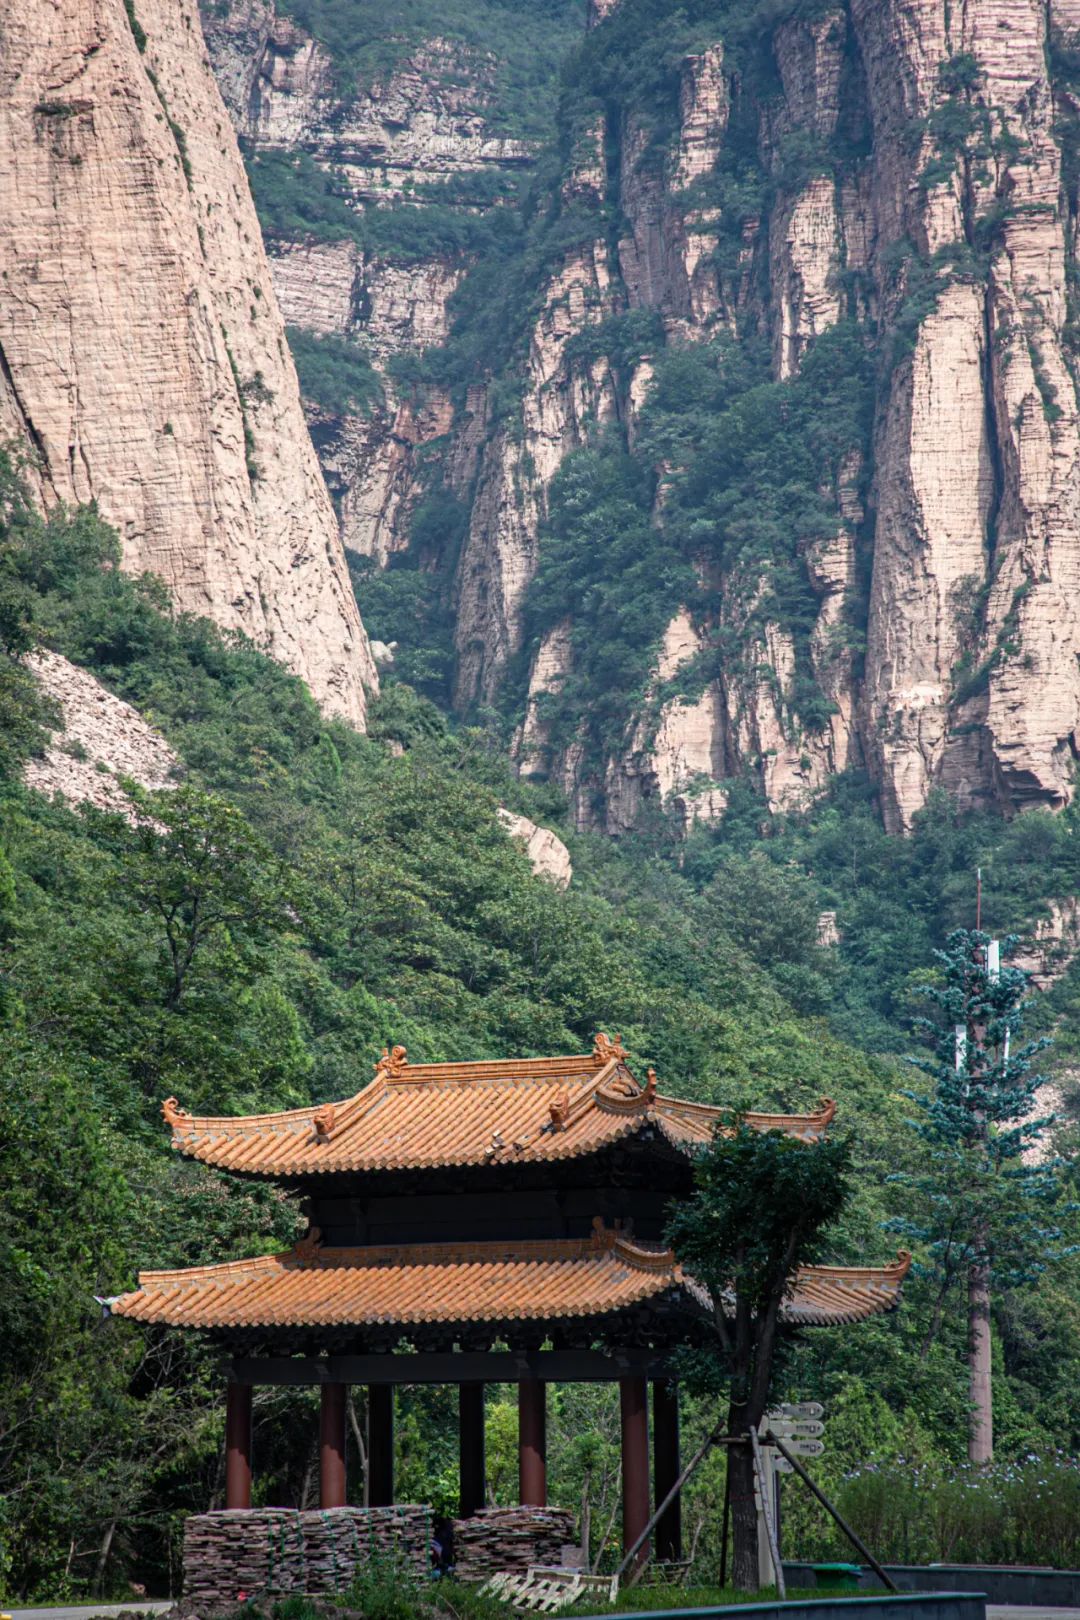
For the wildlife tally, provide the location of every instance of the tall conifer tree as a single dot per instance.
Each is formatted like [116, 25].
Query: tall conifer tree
[989, 1188]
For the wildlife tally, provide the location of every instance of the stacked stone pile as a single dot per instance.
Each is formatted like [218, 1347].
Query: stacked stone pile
[249, 1550]
[280, 1550]
[510, 1539]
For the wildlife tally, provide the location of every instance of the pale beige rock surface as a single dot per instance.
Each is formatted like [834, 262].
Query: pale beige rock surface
[422, 122]
[144, 358]
[562, 399]
[947, 639]
[548, 855]
[101, 740]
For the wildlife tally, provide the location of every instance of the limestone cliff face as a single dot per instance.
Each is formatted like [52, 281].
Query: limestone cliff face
[425, 123]
[561, 399]
[911, 175]
[950, 236]
[144, 363]
[979, 461]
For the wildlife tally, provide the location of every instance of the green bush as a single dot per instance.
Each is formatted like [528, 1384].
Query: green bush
[335, 374]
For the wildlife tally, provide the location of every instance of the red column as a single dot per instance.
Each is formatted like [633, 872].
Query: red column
[666, 1467]
[634, 1410]
[380, 1480]
[332, 1446]
[238, 1445]
[471, 1470]
[532, 1443]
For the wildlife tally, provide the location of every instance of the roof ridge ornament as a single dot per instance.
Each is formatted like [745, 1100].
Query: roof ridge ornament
[559, 1108]
[323, 1121]
[650, 1086]
[309, 1246]
[605, 1049]
[174, 1116]
[392, 1064]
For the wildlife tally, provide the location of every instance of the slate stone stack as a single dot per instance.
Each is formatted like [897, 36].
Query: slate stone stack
[512, 1539]
[280, 1550]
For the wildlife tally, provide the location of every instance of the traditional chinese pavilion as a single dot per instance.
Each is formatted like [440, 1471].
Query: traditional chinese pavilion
[474, 1223]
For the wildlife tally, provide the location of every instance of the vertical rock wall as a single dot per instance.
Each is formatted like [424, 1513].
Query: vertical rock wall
[913, 152]
[144, 361]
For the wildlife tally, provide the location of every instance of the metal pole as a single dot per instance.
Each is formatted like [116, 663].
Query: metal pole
[859, 1545]
[766, 1508]
[714, 1439]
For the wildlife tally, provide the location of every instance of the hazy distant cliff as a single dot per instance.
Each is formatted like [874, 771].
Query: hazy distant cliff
[143, 361]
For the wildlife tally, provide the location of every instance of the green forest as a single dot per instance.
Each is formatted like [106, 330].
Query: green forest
[253, 937]
[360, 891]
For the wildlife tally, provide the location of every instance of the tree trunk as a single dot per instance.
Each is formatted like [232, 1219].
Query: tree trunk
[744, 1535]
[103, 1557]
[980, 1388]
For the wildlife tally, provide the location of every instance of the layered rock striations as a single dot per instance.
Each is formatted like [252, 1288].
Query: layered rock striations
[402, 141]
[972, 671]
[905, 167]
[144, 363]
[949, 233]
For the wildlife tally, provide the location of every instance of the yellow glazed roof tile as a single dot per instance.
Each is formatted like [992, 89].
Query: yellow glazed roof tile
[411, 1285]
[432, 1115]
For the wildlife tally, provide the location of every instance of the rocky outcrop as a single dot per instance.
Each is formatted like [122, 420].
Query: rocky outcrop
[548, 855]
[563, 398]
[101, 743]
[424, 119]
[144, 361]
[1048, 949]
[973, 633]
[424, 122]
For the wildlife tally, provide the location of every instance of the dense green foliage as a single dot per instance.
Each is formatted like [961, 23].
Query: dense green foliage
[299, 199]
[308, 895]
[991, 1188]
[334, 374]
[347, 897]
[252, 941]
[752, 469]
[763, 1205]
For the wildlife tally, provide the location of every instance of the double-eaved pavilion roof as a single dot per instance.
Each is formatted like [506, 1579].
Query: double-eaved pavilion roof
[412, 1286]
[436, 1115]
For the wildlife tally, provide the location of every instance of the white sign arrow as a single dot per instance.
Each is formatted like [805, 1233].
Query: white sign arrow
[801, 1409]
[791, 1428]
[804, 1448]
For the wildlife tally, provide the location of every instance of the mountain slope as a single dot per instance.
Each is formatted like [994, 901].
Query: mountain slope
[144, 360]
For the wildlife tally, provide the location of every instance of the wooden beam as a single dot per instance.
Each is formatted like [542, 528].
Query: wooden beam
[380, 1480]
[450, 1367]
[532, 1442]
[666, 1468]
[634, 1415]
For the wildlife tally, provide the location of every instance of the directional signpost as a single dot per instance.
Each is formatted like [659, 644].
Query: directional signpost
[800, 1425]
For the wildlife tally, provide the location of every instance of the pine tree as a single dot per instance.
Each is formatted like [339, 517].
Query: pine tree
[989, 1189]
